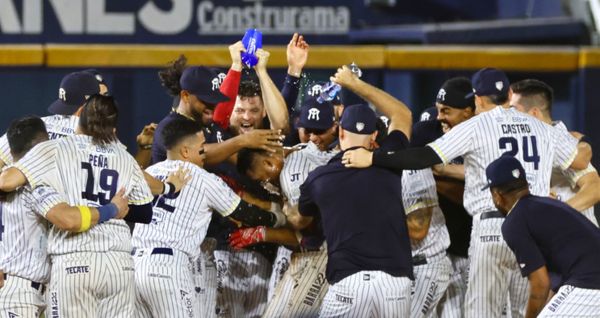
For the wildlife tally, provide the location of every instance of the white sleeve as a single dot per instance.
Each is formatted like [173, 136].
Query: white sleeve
[43, 198]
[457, 142]
[5, 155]
[39, 163]
[220, 196]
[418, 190]
[565, 148]
[574, 175]
[140, 193]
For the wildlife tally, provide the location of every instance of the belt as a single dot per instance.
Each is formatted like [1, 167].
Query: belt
[491, 215]
[156, 250]
[35, 285]
[419, 259]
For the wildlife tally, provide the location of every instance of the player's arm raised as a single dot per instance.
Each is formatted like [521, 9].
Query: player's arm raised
[272, 98]
[400, 116]
[539, 287]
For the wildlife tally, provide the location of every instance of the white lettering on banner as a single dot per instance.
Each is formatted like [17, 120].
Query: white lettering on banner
[101, 22]
[33, 10]
[9, 19]
[272, 20]
[175, 21]
[91, 17]
[69, 14]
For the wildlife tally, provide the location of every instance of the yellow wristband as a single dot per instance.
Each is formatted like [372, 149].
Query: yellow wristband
[86, 218]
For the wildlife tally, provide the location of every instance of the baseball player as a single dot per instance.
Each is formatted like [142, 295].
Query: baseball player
[480, 140]
[92, 272]
[362, 276]
[565, 243]
[580, 189]
[24, 259]
[429, 241]
[72, 93]
[259, 104]
[299, 290]
[164, 250]
[74, 90]
[455, 106]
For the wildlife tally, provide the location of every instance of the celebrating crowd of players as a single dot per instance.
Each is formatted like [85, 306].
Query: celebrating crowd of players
[239, 204]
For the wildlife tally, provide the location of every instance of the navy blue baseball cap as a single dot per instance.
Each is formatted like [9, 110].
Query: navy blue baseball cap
[456, 92]
[429, 114]
[202, 82]
[504, 170]
[315, 115]
[96, 74]
[359, 119]
[489, 81]
[75, 89]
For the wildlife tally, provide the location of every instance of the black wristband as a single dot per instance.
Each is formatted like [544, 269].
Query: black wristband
[171, 189]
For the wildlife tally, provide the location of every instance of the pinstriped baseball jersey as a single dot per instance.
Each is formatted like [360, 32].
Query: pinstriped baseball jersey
[25, 232]
[181, 221]
[419, 191]
[485, 137]
[297, 166]
[564, 183]
[56, 125]
[87, 174]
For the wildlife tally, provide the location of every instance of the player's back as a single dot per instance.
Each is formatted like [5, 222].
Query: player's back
[487, 136]
[180, 221]
[87, 174]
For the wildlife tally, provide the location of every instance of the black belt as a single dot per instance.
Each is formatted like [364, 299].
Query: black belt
[35, 285]
[419, 259]
[157, 250]
[491, 215]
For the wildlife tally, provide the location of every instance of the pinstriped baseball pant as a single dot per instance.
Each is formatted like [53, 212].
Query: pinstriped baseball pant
[493, 273]
[205, 277]
[451, 304]
[431, 281]
[17, 296]
[572, 301]
[165, 286]
[92, 285]
[301, 291]
[368, 294]
[242, 283]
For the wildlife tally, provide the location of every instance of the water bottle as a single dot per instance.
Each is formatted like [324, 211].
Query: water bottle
[252, 41]
[331, 89]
